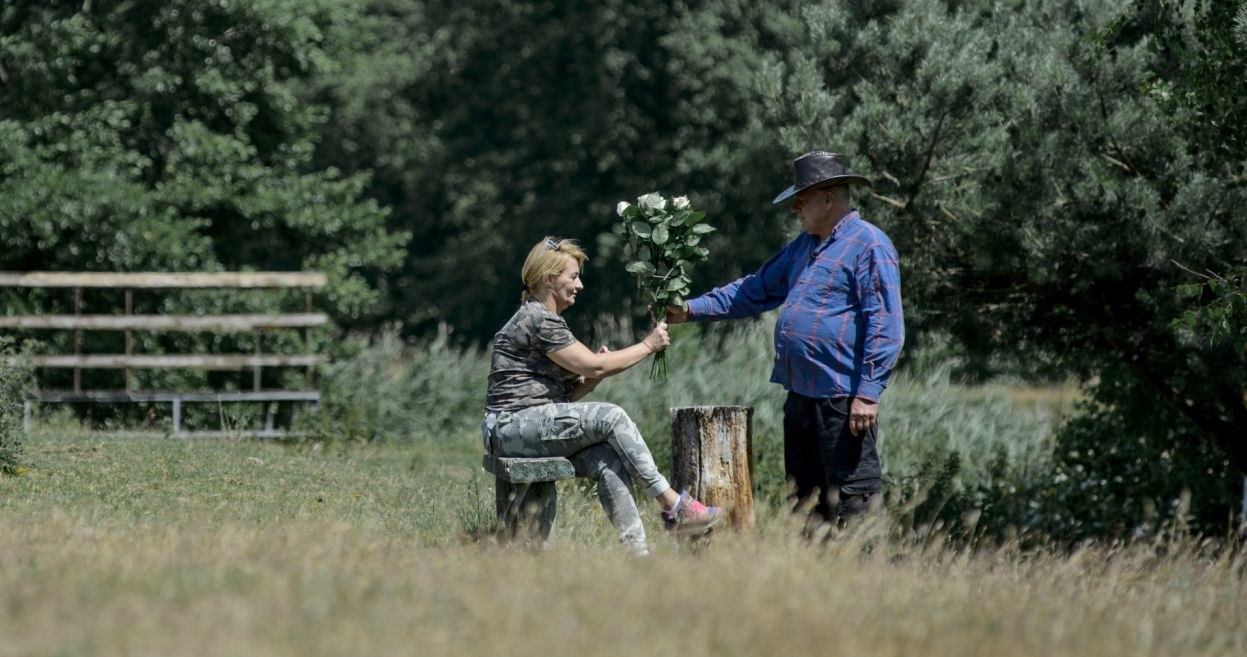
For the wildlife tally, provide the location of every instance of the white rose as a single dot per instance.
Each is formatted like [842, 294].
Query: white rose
[623, 205]
[680, 202]
[652, 201]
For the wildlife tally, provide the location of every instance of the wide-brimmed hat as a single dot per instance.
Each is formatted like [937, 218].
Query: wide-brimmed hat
[819, 169]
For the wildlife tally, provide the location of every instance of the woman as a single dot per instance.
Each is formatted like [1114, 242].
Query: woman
[539, 371]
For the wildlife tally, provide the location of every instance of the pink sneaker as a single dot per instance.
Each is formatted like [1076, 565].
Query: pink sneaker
[689, 516]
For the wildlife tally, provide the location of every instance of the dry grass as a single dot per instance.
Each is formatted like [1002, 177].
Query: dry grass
[154, 547]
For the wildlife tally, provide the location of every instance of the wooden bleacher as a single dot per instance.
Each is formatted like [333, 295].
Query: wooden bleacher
[129, 323]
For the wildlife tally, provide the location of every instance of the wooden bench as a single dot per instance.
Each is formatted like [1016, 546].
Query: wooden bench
[525, 495]
[129, 322]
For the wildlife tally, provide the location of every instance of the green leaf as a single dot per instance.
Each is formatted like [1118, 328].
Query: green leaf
[640, 267]
[692, 240]
[694, 217]
[676, 283]
[643, 253]
[660, 234]
[641, 229]
[702, 229]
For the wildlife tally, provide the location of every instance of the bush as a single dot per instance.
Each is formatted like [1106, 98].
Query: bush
[1121, 471]
[972, 460]
[948, 450]
[15, 383]
[386, 389]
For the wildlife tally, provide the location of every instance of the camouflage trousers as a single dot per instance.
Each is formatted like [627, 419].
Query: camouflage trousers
[600, 440]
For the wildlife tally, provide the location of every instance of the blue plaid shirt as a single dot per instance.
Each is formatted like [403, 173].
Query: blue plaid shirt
[840, 326]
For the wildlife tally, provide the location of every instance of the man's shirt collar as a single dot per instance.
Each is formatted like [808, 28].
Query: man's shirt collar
[841, 226]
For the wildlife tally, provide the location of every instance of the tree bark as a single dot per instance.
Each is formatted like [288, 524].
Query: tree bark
[712, 455]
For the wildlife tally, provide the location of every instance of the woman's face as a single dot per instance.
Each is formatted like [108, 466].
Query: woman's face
[566, 285]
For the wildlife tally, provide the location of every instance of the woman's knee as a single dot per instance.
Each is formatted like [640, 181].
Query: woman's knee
[592, 462]
[614, 416]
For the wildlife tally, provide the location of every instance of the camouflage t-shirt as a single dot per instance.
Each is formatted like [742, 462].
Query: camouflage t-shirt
[521, 374]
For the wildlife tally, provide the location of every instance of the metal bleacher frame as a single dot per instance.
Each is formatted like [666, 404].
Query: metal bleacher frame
[129, 323]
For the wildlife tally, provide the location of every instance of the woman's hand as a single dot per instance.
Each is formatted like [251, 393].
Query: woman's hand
[658, 338]
[578, 358]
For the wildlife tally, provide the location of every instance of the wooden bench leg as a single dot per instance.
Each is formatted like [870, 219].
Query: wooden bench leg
[526, 511]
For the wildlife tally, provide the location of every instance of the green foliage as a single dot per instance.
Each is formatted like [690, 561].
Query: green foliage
[15, 384]
[665, 238]
[1122, 469]
[1040, 202]
[1202, 53]
[948, 451]
[390, 390]
[664, 235]
[488, 125]
[1219, 317]
[171, 136]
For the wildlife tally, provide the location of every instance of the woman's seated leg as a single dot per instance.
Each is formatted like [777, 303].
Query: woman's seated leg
[602, 464]
[564, 429]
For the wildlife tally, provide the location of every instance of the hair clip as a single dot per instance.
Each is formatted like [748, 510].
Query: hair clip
[552, 245]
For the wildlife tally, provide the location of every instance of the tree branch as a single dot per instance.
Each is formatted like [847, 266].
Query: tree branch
[926, 162]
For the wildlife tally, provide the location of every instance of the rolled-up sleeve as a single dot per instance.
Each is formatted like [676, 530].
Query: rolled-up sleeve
[879, 286]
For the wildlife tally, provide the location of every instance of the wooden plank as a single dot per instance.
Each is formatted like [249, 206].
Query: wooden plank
[527, 470]
[119, 396]
[163, 280]
[188, 361]
[215, 323]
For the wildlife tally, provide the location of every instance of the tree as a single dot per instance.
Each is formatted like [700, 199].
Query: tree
[169, 135]
[490, 125]
[1043, 205]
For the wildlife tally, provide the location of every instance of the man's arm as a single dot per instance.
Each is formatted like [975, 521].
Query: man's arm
[750, 295]
[879, 289]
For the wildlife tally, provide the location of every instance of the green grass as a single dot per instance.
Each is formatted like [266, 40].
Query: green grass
[374, 537]
[402, 491]
[118, 545]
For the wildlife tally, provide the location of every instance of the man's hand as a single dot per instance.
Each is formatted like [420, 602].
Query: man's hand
[862, 415]
[677, 314]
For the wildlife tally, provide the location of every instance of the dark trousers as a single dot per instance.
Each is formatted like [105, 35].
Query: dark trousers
[822, 457]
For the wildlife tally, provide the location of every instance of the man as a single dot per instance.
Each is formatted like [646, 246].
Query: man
[838, 336]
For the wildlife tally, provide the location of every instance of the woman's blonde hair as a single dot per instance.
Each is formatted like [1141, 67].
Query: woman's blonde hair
[548, 258]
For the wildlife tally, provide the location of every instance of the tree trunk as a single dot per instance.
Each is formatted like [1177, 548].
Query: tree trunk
[712, 455]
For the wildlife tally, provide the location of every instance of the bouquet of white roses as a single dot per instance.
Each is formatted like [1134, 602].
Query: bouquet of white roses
[662, 238]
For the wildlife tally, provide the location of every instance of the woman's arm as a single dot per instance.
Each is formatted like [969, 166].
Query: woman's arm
[578, 358]
[585, 385]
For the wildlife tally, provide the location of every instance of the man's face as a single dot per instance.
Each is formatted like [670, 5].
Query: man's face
[812, 208]
[567, 285]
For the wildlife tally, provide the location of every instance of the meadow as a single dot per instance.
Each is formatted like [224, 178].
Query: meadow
[147, 546]
[373, 535]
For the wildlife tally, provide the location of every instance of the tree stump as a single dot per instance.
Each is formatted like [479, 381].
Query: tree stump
[712, 458]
